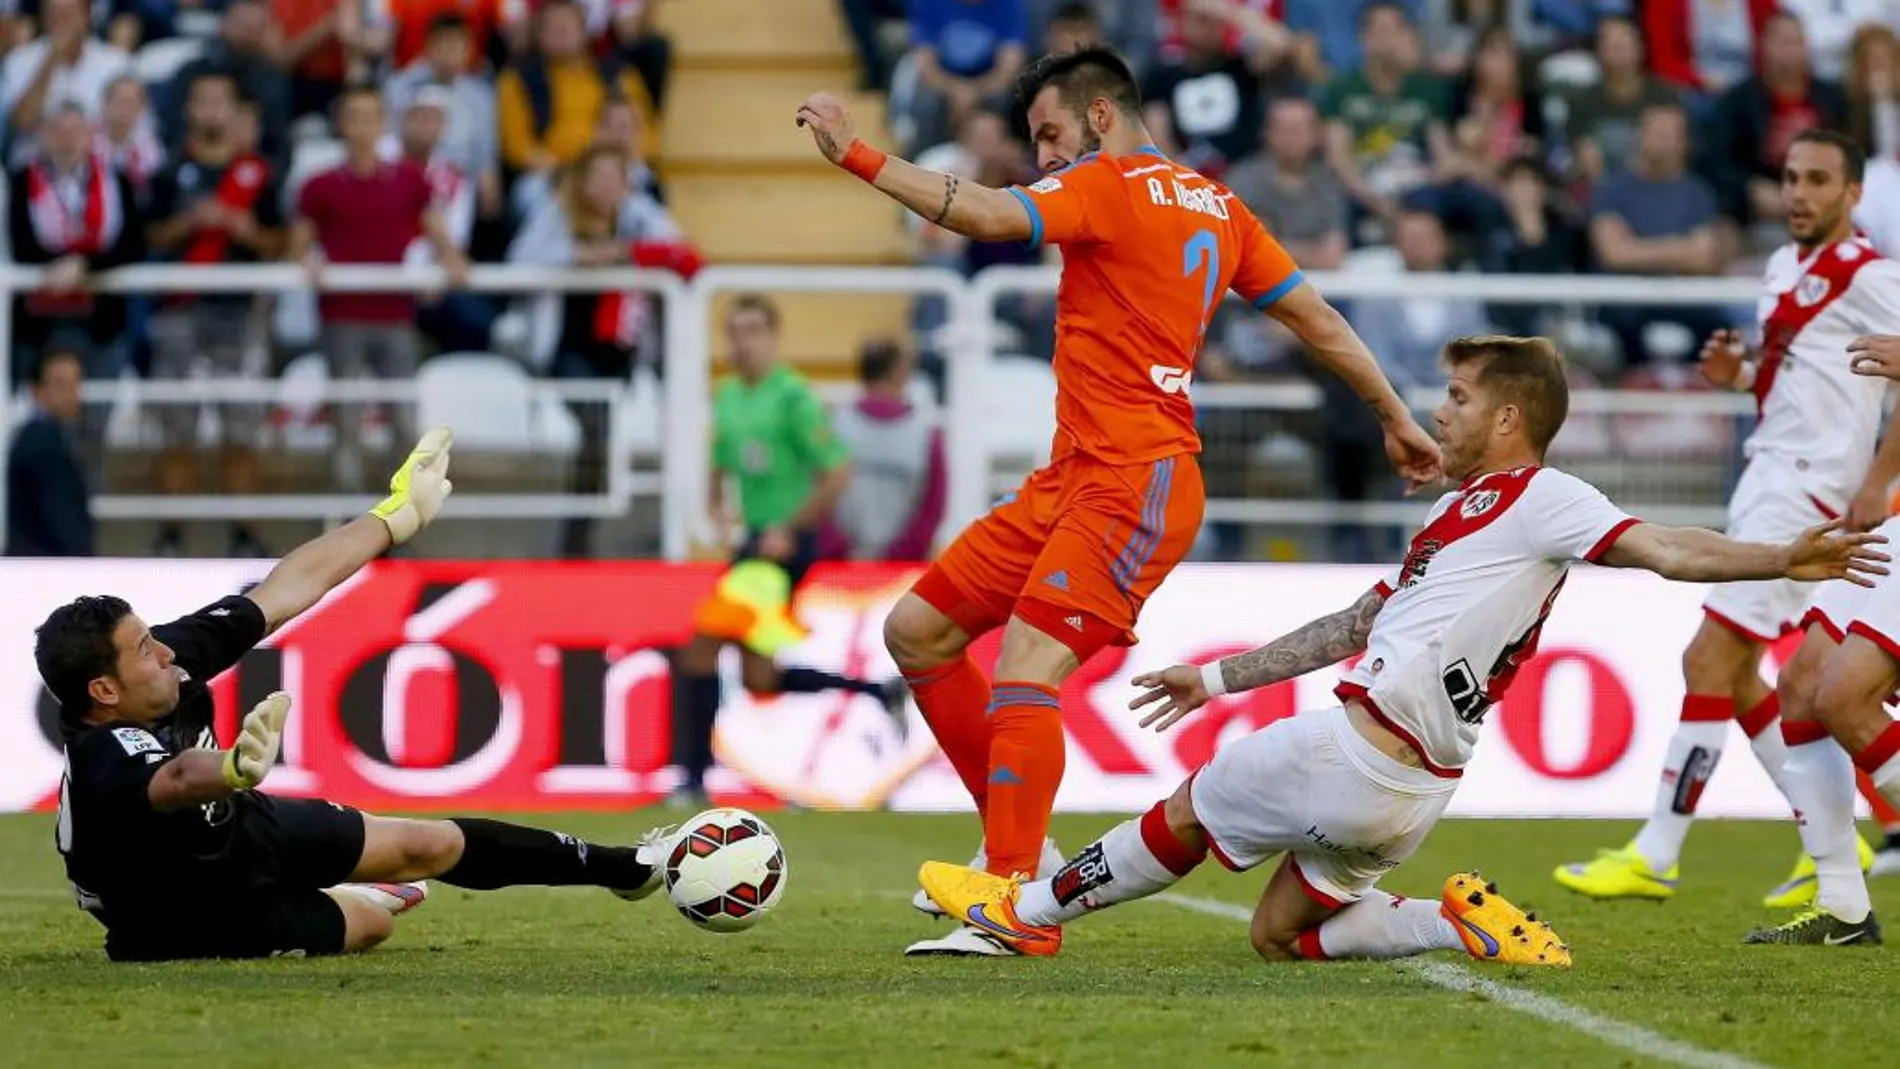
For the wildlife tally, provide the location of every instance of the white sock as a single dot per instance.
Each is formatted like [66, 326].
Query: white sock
[1693, 754]
[1772, 751]
[1887, 779]
[1818, 778]
[1382, 926]
[1119, 867]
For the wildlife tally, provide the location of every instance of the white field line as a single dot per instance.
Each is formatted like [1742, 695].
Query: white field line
[1608, 1030]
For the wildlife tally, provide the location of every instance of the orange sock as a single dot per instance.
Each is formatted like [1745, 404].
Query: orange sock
[1026, 758]
[955, 701]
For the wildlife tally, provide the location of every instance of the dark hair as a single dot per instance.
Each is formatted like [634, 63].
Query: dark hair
[755, 302]
[358, 89]
[1075, 11]
[1080, 77]
[1526, 163]
[74, 647]
[1603, 23]
[448, 22]
[877, 358]
[1853, 157]
[214, 74]
[1526, 372]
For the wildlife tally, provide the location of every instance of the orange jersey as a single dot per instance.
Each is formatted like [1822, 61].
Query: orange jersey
[1149, 247]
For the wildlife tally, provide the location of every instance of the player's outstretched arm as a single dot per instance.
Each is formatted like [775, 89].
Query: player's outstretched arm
[1333, 342]
[200, 777]
[1876, 355]
[975, 211]
[1327, 640]
[417, 492]
[1695, 555]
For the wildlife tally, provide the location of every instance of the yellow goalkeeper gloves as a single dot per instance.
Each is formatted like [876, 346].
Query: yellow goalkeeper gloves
[419, 487]
[248, 760]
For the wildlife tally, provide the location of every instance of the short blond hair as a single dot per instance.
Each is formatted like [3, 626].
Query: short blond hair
[1526, 372]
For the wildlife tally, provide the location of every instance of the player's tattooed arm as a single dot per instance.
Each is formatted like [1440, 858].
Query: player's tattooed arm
[1326, 641]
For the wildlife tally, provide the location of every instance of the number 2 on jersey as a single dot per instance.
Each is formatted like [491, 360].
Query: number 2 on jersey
[1203, 250]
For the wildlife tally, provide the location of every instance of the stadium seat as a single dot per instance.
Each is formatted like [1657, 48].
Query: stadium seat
[1373, 260]
[643, 415]
[791, 217]
[158, 61]
[1020, 420]
[743, 118]
[493, 405]
[747, 32]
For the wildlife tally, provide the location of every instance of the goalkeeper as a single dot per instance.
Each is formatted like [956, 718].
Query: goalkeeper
[167, 840]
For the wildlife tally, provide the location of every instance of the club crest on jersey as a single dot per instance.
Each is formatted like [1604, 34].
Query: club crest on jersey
[1810, 292]
[1476, 505]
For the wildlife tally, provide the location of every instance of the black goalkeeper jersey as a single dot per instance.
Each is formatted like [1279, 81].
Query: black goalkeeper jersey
[129, 864]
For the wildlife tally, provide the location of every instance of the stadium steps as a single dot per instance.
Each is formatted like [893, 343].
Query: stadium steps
[822, 331]
[745, 182]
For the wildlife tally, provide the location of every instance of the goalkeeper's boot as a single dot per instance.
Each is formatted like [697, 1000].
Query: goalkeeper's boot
[1819, 928]
[1495, 930]
[650, 851]
[1047, 866]
[1799, 889]
[988, 904]
[1620, 873]
[396, 898]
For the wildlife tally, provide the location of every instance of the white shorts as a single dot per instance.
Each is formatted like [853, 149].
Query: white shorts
[1770, 504]
[1313, 786]
[1837, 604]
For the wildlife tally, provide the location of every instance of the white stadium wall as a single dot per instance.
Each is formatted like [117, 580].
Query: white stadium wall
[539, 685]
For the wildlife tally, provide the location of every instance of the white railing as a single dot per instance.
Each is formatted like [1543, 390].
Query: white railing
[969, 340]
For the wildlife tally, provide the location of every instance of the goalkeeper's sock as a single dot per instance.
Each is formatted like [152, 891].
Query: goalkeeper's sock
[495, 855]
[817, 681]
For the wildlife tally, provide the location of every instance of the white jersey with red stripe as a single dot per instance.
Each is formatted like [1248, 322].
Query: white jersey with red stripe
[1816, 414]
[1466, 607]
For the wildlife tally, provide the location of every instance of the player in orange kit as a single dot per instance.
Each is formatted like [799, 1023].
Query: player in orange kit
[1064, 564]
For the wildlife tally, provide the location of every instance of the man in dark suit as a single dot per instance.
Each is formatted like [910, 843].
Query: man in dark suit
[48, 503]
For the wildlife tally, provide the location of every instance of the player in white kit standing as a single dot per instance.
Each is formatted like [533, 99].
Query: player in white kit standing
[1348, 793]
[1812, 457]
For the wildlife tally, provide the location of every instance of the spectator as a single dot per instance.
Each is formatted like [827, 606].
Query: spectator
[1538, 237]
[1830, 26]
[70, 211]
[1072, 26]
[1705, 46]
[1206, 107]
[51, 513]
[1385, 125]
[1495, 120]
[64, 65]
[1337, 30]
[410, 21]
[469, 140]
[221, 203]
[1757, 119]
[1873, 92]
[366, 212]
[618, 126]
[324, 44]
[1408, 332]
[127, 134]
[1292, 190]
[131, 23]
[1660, 219]
[1603, 118]
[594, 335]
[865, 19]
[244, 51]
[965, 52]
[899, 486]
[635, 37]
[457, 321]
[550, 101]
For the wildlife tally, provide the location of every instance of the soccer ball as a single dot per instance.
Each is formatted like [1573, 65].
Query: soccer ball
[726, 870]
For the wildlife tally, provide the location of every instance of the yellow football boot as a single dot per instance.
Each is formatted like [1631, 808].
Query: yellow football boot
[1495, 930]
[1619, 873]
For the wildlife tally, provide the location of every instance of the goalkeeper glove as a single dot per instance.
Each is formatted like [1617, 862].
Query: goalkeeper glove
[418, 488]
[248, 760]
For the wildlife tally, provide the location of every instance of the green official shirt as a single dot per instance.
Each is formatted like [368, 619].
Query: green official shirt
[776, 437]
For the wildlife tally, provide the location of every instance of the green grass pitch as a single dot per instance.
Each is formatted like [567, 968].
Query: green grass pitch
[577, 978]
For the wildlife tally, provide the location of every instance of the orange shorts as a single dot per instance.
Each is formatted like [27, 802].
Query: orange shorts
[1078, 548]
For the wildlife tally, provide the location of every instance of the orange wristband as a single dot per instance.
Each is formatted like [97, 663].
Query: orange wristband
[862, 160]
